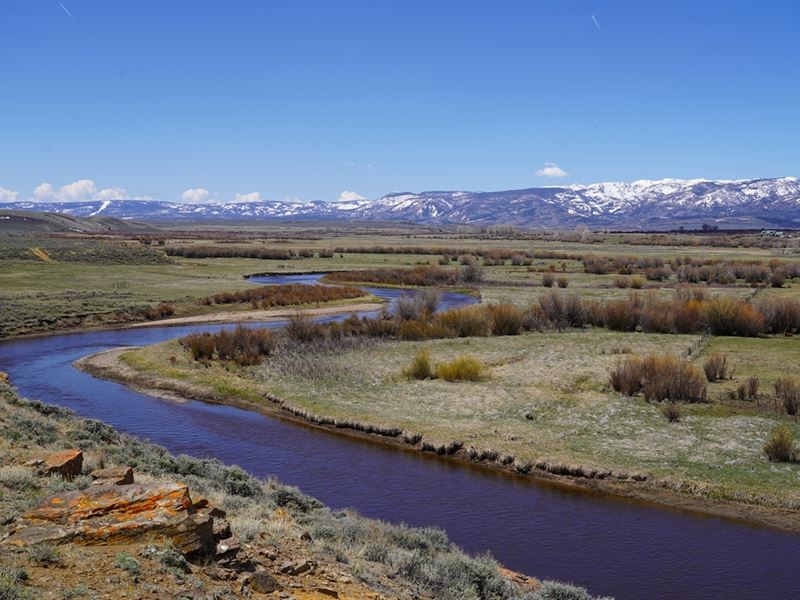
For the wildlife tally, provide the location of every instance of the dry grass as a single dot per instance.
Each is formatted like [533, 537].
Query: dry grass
[462, 368]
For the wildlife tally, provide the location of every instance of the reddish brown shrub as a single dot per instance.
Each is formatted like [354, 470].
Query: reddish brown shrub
[730, 316]
[506, 319]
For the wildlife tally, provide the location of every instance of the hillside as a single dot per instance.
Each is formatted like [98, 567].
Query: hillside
[32, 221]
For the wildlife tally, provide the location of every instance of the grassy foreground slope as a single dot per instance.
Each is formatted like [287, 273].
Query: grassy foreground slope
[358, 557]
[545, 405]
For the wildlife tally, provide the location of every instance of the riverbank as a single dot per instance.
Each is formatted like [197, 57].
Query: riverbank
[176, 382]
[287, 542]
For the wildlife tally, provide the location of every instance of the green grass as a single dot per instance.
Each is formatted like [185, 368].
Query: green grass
[546, 400]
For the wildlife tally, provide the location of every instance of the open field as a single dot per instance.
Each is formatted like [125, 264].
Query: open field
[55, 282]
[545, 401]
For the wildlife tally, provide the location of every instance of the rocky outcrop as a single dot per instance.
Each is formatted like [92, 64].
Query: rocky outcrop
[67, 463]
[113, 476]
[106, 514]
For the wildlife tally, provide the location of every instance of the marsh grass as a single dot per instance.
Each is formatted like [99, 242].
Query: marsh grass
[420, 367]
[780, 446]
[462, 368]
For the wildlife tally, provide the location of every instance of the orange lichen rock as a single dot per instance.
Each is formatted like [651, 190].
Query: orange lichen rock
[156, 512]
[67, 463]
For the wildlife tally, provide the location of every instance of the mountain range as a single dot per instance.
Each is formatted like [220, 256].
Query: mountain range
[644, 204]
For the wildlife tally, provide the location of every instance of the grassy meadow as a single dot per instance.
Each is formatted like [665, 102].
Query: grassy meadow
[545, 397]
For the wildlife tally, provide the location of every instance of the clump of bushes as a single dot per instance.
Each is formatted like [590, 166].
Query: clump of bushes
[716, 367]
[420, 367]
[506, 319]
[231, 251]
[548, 279]
[291, 294]
[241, 345]
[780, 446]
[462, 368]
[469, 321]
[417, 276]
[672, 411]
[787, 392]
[747, 391]
[731, 316]
[158, 312]
[659, 378]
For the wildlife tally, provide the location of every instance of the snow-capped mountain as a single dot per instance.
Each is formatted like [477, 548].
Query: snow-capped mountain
[659, 204]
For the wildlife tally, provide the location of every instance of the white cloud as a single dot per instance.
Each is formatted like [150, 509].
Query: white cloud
[112, 194]
[7, 195]
[43, 191]
[551, 169]
[346, 196]
[83, 189]
[196, 195]
[251, 197]
[77, 191]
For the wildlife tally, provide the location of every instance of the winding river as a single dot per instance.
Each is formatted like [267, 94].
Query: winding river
[611, 546]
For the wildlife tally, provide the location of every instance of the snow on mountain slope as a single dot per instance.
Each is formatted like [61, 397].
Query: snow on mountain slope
[643, 203]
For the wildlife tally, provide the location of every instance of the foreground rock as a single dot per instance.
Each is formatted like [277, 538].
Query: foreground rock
[113, 476]
[107, 514]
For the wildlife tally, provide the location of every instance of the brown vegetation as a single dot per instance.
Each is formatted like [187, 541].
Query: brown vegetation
[659, 378]
[292, 294]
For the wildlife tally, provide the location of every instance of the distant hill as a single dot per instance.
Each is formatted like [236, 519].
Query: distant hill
[645, 204]
[28, 221]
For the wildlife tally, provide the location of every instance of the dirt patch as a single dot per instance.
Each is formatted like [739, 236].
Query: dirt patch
[266, 316]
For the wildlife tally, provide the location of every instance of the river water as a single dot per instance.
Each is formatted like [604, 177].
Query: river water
[611, 546]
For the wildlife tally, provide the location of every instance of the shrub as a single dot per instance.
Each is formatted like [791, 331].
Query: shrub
[563, 311]
[657, 274]
[45, 554]
[622, 282]
[562, 282]
[780, 445]
[659, 378]
[407, 307]
[420, 276]
[17, 477]
[748, 390]
[730, 316]
[240, 345]
[127, 563]
[777, 279]
[421, 330]
[548, 279]
[302, 329]
[420, 367]
[781, 315]
[469, 321]
[656, 317]
[506, 319]
[269, 296]
[534, 319]
[716, 367]
[686, 316]
[672, 411]
[462, 368]
[158, 312]
[637, 282]
[623, 315]
[472, 273]
[201, 345]
[787, 391]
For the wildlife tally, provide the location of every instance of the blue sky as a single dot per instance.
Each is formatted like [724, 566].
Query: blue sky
[306, 100]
